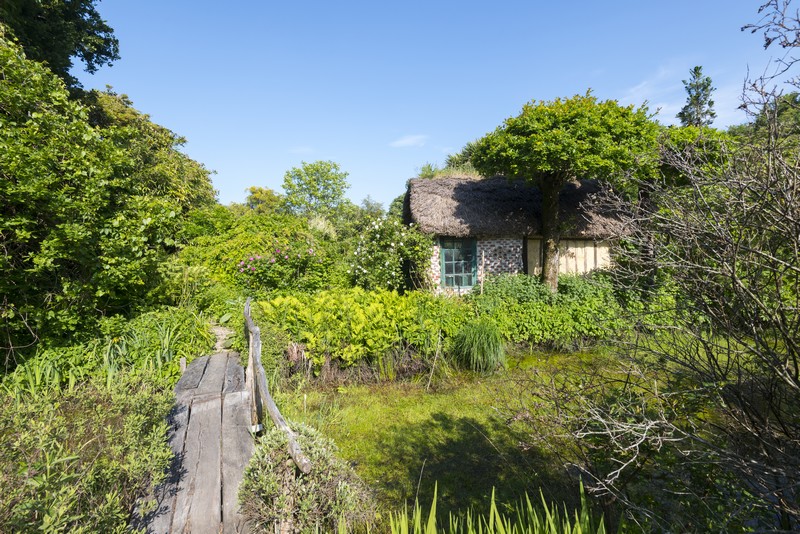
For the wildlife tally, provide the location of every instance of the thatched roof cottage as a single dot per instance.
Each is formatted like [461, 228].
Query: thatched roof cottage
[493, 226]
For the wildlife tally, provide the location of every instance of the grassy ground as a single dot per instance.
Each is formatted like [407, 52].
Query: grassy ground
[403, 439]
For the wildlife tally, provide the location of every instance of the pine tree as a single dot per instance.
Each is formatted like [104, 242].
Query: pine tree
[699, 108]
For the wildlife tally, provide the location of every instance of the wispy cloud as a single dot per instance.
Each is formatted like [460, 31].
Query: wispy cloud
[409, 141]
[662, 91]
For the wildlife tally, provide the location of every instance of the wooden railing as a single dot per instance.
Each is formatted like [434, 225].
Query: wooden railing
[256, 380]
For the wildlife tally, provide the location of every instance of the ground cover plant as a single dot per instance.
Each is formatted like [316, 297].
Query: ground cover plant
[76, 460]
[329, 498]
[352, 326]
[405, 438]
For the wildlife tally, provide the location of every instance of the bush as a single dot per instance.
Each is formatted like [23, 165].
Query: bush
[583, 310]
[349, 326]
[152, 343]
[480, 346]
[75, 461]
[391, 255]
[274, 490]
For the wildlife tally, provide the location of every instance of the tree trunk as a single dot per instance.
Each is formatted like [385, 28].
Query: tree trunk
[550, 233]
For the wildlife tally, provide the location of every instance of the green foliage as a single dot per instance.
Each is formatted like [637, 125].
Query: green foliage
[263, 199]
[551, 143]
[699, 108]
[302, 257]
[348, 326]
[90, 212]
[523, 517]
[479, 345]
[330, 496]
[75, 461]
[576, 138]
[391, 255]
[704, 148]
[315, 188]
[55, 31]
[150, 345]
[285, 266]
[428, 170]
[584, 310]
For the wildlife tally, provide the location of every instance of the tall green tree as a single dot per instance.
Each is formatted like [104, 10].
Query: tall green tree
[88, 212]
[699, 108]
[56, 31]
[551, 143]
[316, 188]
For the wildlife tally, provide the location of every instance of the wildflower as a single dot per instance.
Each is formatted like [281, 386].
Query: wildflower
[241, 270]
[251, 258]
[277, 251]
[286, 257]
[253, 268]
[272, 260]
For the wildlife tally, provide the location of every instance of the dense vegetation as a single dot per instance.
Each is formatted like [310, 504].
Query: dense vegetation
[674, 387]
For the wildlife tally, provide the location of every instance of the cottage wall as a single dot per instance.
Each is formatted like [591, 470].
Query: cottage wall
[496, 255]
[575, 256]
[500, 255]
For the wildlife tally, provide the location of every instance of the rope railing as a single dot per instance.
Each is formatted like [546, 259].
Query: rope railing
[261, 399]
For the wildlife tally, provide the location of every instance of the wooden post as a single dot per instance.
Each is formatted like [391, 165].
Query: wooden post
[483, 268]
[261, 399]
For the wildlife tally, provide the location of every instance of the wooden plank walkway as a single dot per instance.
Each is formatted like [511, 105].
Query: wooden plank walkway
[209, 434]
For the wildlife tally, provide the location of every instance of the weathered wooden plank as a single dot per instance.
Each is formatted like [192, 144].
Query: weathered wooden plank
[214, 377]
[237, 448]
[234, 375]
[193, 375]
[159, 519]
[198, 507]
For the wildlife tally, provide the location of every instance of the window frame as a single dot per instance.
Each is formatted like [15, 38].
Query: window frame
[458, 271]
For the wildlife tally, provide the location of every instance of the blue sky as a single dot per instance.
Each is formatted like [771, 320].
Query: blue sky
[381, 88]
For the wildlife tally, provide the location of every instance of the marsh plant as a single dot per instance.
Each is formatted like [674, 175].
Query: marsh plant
[479, 345]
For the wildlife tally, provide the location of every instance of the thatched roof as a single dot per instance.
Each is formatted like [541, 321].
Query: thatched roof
[466, 207]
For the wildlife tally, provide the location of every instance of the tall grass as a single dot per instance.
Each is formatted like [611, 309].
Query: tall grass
[479, 345]
[525, 518]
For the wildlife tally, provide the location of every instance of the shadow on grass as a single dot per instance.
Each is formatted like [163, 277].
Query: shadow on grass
[467, 458]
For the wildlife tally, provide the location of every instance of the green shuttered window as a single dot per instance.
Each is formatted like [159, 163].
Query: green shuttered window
[459, 262]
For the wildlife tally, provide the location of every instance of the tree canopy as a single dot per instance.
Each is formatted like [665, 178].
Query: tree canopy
[55, 31]
[315, 188]
[551, 143]
[89, 211]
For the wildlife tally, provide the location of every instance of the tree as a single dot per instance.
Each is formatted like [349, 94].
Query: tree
[707, 412]
[55, 31]
[262, 199]
[699, 108]
[315, 188]
[89, 212]
[551, 143]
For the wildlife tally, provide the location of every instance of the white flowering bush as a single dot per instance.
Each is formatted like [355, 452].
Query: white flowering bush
[391, 255]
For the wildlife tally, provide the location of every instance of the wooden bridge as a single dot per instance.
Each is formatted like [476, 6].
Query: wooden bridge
[219, 407]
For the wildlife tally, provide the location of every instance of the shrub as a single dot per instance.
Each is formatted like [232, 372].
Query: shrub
[152, 343]
[583, 310]
[479, 345]
[75, 461]
[349, 326]
[391, 255]
[273, 490]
